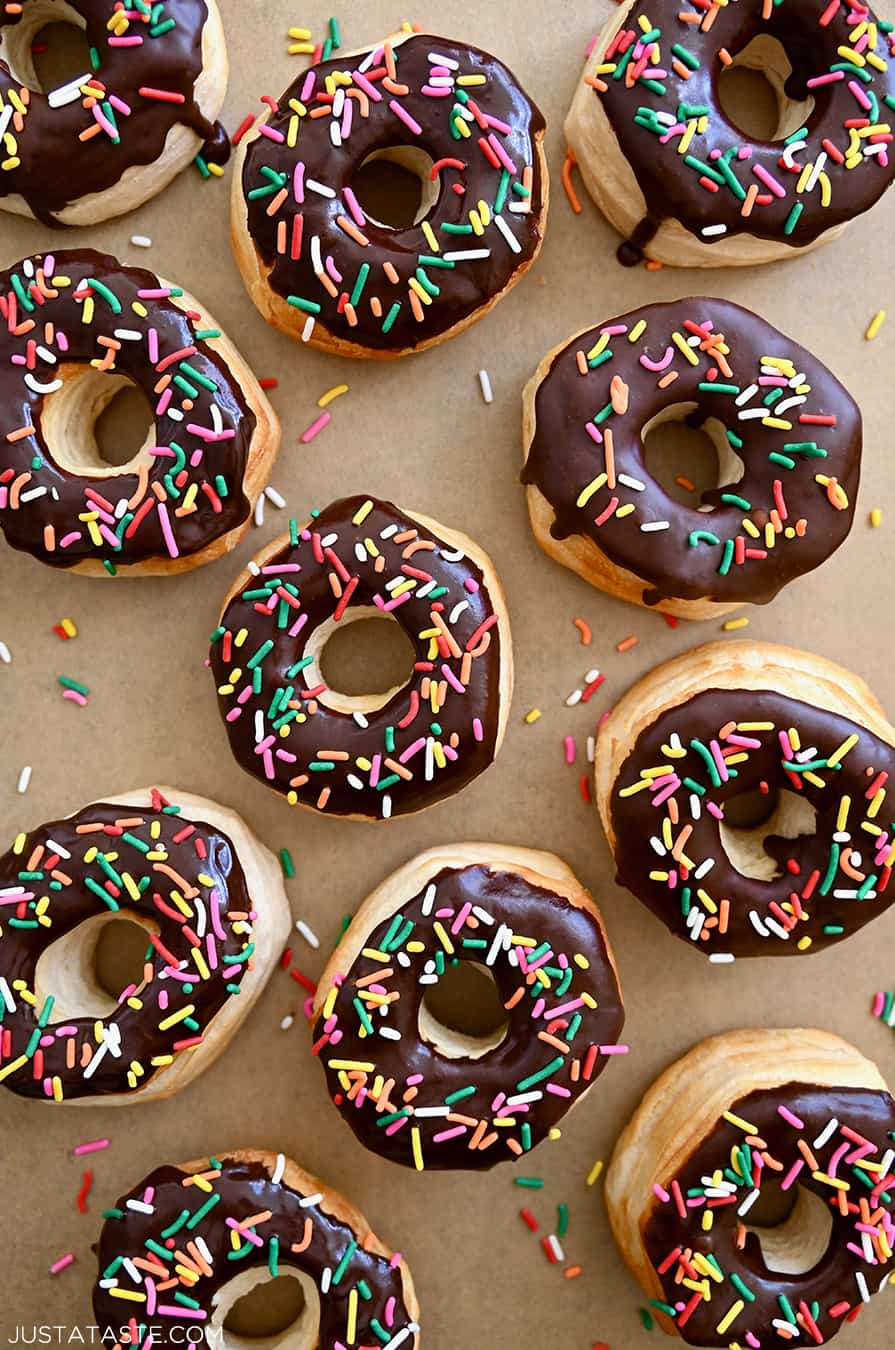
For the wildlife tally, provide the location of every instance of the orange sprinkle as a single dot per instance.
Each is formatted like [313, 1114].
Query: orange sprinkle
[652, 265]
[567, 183]
[572, 1272]
[584, 629]
[685, 483]
[627, 643]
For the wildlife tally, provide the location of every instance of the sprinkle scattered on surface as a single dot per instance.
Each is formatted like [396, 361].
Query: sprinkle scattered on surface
[875, 324]
[485, 382]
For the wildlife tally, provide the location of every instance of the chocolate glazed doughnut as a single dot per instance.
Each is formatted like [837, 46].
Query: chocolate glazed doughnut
[181, 1248]
[736, 718]
[210, 897]
[365, 756]
[680, 181]
[76, 327]
[319, 267]
[106, 142]
[747, 1120]
[424, 1094]
[787, 434]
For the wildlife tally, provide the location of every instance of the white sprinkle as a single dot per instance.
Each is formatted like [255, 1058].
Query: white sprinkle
[127, 335]
[141, 241]
[696, 928]
[386, 806]
[428, 901]
[326, 1279]
[591, 748]
[574, 698]
[467, 254]
[777, 928]
[508, 234]
[829, 1129]
[277, 498]
[437, 59]
[649, 525]
[709, 230]
[277, 1174]
[253, 568]
[287, 1022]
[67, 93]
[308, 328]
[633, 483]
[862, 1286]
[748, 1202]
[745, 396]
[7, 995]
[722, 958]
[307, 1200]
[323, 190]
[485, 382]
[24, 779]
[360, 720]
[390, 1033]
[553, 1243]
[432, 1112]
[140, 1207]
[703, 868]
[5, 654]
[307, 933]
[259, 510]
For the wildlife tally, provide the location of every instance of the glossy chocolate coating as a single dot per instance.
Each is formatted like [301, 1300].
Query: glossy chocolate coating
[53, 863]
[194, 475]
[670, 180]
[454, 900]
[832, 1280]
[244, 1189]
[461, 289]
[326, 747]
[564, 458]
[816, 873]
[57, 167]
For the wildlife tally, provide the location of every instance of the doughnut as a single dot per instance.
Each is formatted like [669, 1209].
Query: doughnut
[430, 1096]
[369, 756]
[211, 899]
[77, 327]
[786, 432]
[749, 1119]
[682, 183]
[731, 719]
[181, 1248]
[109, 140]
[319, 267]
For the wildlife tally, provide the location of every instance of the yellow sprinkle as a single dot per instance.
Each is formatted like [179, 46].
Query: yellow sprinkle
[331, 394]
[830, 1181]
[593, 1175]
[586, 493]
[443, 938]
[730, 1317]
[684, 347]
[363, 512]
[176, 1017]
[300, 34]
[357, 1064]
[731, 624]
[740, 1123]
[21, 840]
[532, 715]
[417, 1149]
[352, 1317]
[839, 754]
[132, 1295]
[636, 331]
[429, 233]
[876, 517]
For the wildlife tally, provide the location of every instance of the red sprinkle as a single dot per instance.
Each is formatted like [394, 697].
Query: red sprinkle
[81, 1199]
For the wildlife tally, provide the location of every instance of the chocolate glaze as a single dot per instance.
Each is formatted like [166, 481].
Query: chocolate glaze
[245, 1189]
[863, 771]
[41, 869]
[564, 459]
[57, 168]
[463, 289]
[404, 730]
[212, 466]
[672, 187]
[832, 1281]
[527, 911]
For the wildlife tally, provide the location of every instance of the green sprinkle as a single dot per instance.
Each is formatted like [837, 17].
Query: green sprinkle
[273, 1257]
[783, 460]
[562, 1220]
[286, 863]
[459, 1095]
[308, 306]
[73, 684]
[792, 219]
[530, 1183]
[713, 386]
[646, 1319]
[110, 297]
[343, 1264]
[389, 321]
[689, 60]
[703, 537]
[546, 1072]
[360, 283]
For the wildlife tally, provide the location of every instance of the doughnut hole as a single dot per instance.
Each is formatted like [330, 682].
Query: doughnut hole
[462, 1016]
[793, 1228]
[87, 969]
[97, 424]
[258, 1311]
[751, 817]
[363, 660]
[56, 27]
[687, 460]
[395, 187]
[752, 92]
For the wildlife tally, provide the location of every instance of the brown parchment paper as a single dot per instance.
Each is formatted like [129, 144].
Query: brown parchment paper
[418, 431]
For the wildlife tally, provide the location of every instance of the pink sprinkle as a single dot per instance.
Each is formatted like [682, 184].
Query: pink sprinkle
[62, 1264]
[74, 697]
[167, 532]
[298, 181]
[271, 133]
[614, 1049]
[569, 744]
[769, 180]
[830, 78]
[878, 1004]
[405, 117]
[316, 427]
[661, 1193]
[354, 207]
[477, 729]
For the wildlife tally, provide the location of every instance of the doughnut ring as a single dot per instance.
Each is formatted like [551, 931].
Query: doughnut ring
[429, 1096]
[210, 897]
[731, 719]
